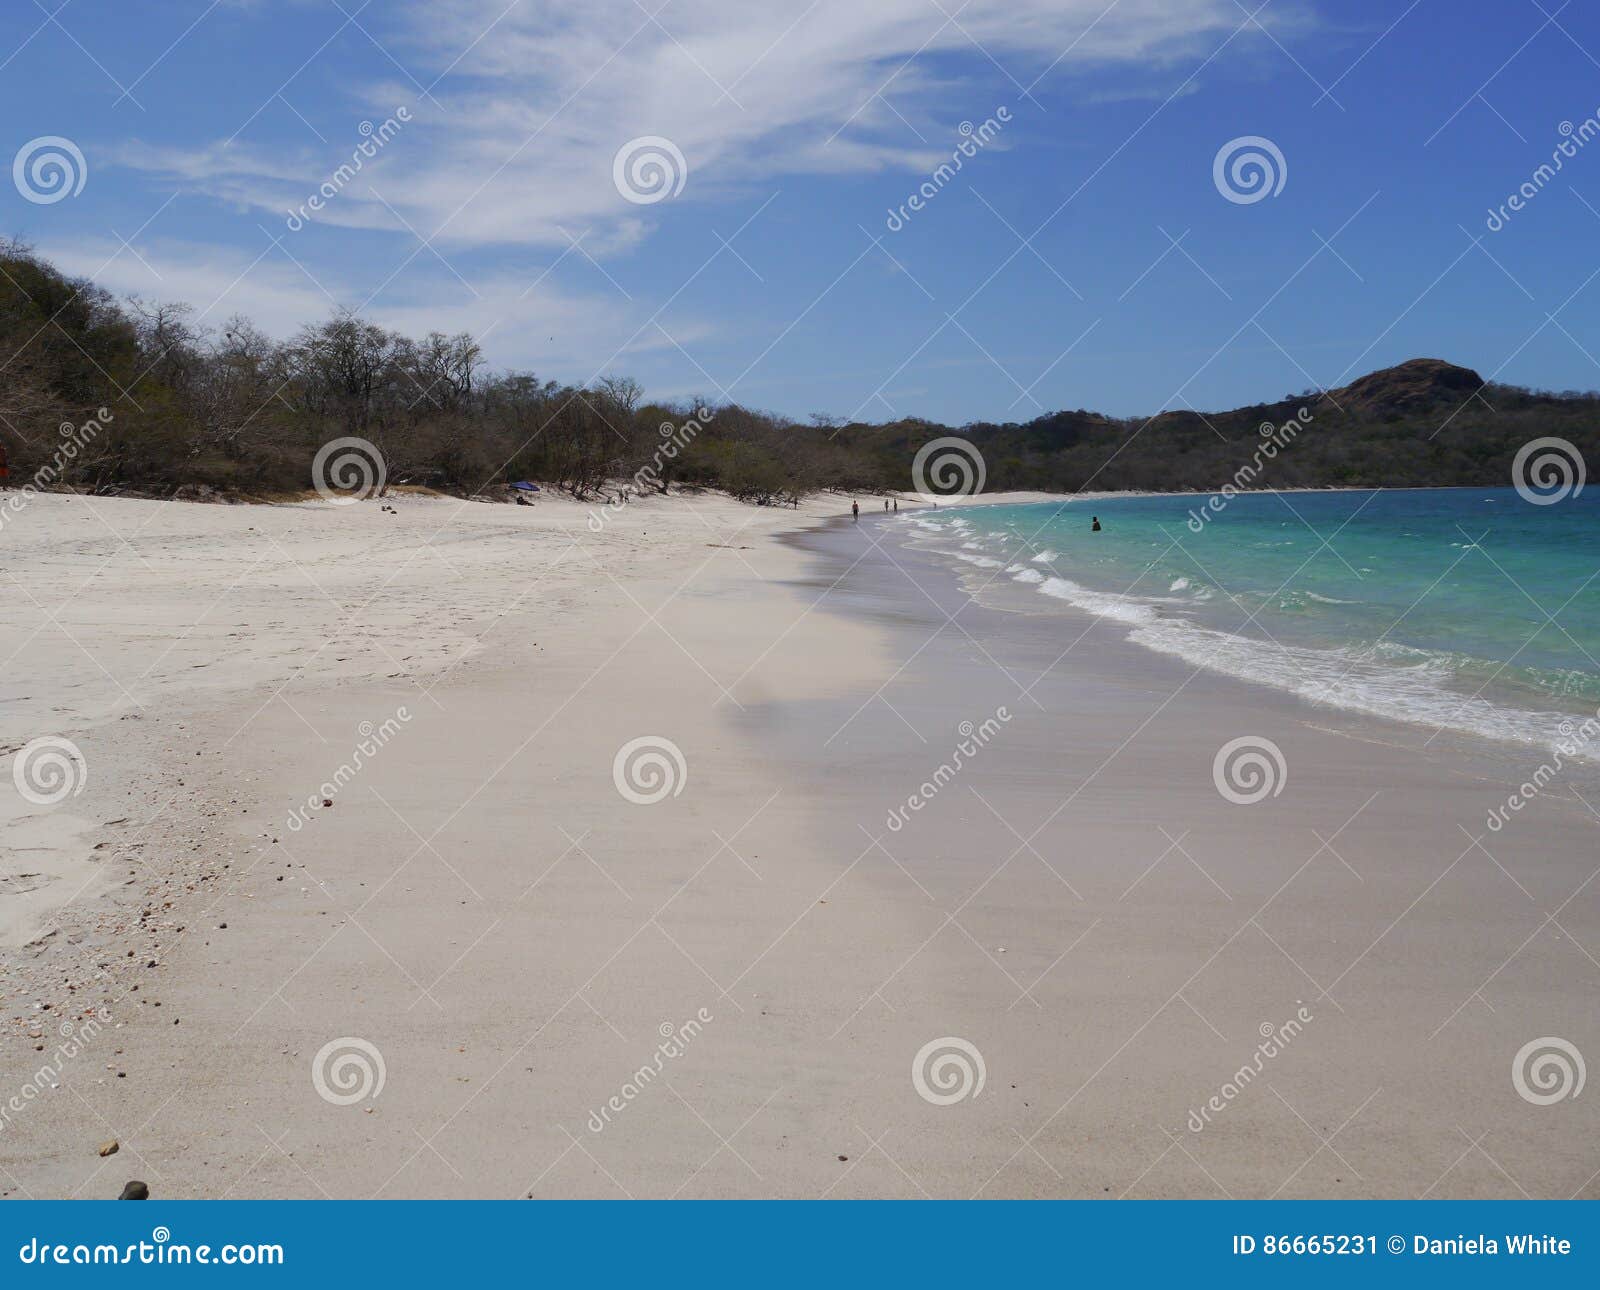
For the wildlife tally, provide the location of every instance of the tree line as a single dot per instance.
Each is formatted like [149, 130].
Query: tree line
[229, 411]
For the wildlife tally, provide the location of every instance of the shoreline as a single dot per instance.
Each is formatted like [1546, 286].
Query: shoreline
[1506, 716]
[508, 932]
[1360, 894]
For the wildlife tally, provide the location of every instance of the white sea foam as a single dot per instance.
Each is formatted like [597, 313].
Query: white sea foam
[1179, 584]
[1357, 679]
[1124, 609]
[1388, 679]
[1044, 557]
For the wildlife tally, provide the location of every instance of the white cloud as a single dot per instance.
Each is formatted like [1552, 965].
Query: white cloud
[520, 320]
[530, 103]
[513, 146]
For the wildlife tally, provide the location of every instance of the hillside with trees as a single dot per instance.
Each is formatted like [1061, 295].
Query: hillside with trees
[230, 413]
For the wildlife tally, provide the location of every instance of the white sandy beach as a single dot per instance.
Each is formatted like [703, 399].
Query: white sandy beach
[512, 940]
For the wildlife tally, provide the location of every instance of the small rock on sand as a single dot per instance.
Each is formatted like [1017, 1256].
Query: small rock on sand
[109, 1148]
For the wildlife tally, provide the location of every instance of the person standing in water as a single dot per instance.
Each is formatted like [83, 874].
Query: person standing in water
[1095, 527]
[855, 510]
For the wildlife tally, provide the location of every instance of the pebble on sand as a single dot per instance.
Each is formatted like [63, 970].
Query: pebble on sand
[109, 1148]
[135, 1190]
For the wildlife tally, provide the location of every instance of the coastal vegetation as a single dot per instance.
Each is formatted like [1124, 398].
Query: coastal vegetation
[226, 411]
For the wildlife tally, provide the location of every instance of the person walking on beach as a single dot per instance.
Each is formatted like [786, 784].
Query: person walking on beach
[897, 506]
[855, 511]
[885, 503]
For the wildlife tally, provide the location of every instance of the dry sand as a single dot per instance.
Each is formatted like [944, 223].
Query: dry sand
[508, 936]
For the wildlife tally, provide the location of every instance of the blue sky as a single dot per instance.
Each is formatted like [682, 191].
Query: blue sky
[1082, 257]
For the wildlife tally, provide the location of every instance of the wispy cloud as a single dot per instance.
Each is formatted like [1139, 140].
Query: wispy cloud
[526, 105]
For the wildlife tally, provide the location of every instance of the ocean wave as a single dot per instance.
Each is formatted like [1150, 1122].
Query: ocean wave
[1044, 557]
[1124, 609]
[1382, 679]
[1356, 679]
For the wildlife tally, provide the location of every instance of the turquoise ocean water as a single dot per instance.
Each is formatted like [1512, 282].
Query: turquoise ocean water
[1461, 609]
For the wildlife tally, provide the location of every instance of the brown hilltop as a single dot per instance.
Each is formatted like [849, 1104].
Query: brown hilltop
[1415, 384]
